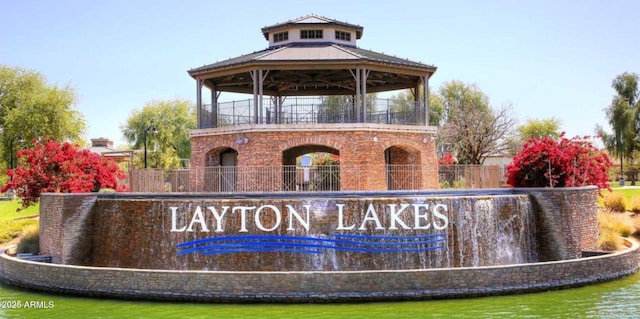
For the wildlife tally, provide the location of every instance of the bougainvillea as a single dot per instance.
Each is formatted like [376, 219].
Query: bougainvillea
[51, 167]
[446, 159]
[546, 162]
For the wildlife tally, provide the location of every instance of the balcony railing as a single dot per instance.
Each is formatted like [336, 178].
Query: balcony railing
[305, 110]
[291, 178]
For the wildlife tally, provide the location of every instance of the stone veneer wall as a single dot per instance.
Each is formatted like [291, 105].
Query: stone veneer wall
[317, 286]
[566, 226]
[566, 220]
[64, 225]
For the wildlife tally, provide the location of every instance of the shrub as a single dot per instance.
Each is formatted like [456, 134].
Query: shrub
[609, 241]
[546, 162]
[10, 229]
[446, 159]
[636, 224]
[459, 184]
[635, 205]
[61, 168]
[611, 228]
[620, 224]
[615, 202]
[30, 240]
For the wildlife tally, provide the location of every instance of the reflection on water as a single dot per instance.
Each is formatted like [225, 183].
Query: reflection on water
[616, 299]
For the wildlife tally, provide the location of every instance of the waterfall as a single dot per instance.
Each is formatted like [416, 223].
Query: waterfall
[319, 234]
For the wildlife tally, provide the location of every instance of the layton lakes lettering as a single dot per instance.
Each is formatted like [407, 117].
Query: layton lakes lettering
[398, 216]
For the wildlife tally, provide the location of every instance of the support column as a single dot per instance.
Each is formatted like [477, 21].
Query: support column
[278, 107]
[425, 84]
[199, 102]
[215, 94]
[418, 106]
[358, 96]
[254, 76]
[261, 76]
[363, 79]
[276, 101]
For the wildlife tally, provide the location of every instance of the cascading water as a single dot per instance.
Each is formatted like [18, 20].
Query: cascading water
[498, 230]
[318, 235]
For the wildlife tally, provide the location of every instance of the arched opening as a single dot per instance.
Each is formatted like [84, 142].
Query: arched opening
[404, 170]
[221, 170]
[311, 168]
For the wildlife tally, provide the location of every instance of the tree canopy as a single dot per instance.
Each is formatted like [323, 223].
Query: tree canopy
[624, 117]
[539, 128]
[404, 102]
[471, 126]
[173, 119]
[534, 128]
[31, 108]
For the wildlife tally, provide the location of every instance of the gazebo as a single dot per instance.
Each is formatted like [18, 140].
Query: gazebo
[313, 90]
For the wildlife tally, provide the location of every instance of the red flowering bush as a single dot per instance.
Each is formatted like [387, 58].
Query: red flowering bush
[328, 159]
[61, 168]
[546, 162]
[446, 159]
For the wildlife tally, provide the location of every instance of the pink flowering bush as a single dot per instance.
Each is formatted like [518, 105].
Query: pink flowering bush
[546, 162]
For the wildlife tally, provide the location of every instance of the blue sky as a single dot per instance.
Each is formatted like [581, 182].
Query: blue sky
[547, 58]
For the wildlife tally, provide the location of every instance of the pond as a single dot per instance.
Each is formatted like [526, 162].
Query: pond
[615, 299]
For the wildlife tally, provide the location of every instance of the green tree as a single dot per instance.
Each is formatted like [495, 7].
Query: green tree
[31, 108]
[533, 128]
[341, 108]
[173, 119]
[624, 117]
[336, 109]
[549, 127]
[471, 126]
[404, 102]
[458, 96]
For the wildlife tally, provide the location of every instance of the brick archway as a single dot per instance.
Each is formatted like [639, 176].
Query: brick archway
[304, 178]
[213, 156]
[403, 167]
[220, 169]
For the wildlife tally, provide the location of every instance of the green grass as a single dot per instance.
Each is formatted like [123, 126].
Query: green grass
[11, 225]
[628, 193]
[8, 210]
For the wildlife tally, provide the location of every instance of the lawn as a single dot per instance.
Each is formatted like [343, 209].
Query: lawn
[8, 209]
[11, 224]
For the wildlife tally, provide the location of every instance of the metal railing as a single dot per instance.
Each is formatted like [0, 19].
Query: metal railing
[291, 178]
[305, 110]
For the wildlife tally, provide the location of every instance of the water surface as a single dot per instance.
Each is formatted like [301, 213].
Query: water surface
[615, 299]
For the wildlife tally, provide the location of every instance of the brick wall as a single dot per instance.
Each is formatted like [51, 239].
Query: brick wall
[122, 230]
[567, 221]
[65, 225]
[360, 145]
[317, 286]
[103, 229]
